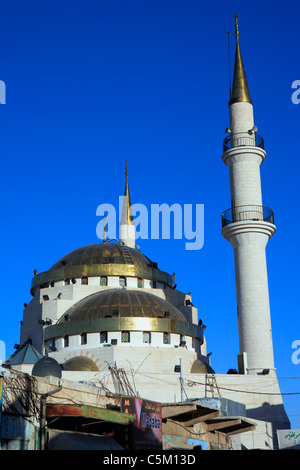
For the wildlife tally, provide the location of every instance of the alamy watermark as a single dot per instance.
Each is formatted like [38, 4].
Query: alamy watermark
[156, 223]
[296, 353]
[2, 92]
[296, 94]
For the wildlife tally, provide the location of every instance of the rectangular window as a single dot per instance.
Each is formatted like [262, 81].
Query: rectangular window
[125, 338]
[84, 281]
[66, 341]
[103, 281]
[103, 337]
[84, 338]
[122, 281]
[140, 282]
[166, 338]
[146, 337]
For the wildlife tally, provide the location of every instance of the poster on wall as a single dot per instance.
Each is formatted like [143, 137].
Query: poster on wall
[147, 428]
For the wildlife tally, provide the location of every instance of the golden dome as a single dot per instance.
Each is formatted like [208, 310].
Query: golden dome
[102, 259]
[122, 303]
[120, 310]
[80, 363]
[103, 253]
[200, 367]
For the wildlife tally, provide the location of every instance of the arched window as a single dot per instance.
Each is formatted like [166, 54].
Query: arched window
[122, 281]
[67, 282]
[103, 281]
[103, 337]
[146, 337]
[84, 281]
[125, 337]
[140, 282]
[83, 338]
[66, 341]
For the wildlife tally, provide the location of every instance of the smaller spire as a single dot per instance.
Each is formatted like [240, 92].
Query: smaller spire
[240, 89]
[127, 226]
[126, 217]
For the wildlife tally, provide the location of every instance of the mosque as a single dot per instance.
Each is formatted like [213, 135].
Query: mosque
[108, 304]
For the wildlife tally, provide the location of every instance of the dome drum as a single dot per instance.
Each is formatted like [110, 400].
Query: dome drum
[68, 328]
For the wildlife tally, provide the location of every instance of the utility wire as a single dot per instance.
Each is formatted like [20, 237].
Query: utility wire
[190, 383]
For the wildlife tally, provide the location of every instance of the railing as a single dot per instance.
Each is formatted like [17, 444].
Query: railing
[241, 139]
[241, 213]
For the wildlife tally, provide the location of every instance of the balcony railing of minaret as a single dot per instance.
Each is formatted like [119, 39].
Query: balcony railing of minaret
[244, 213]
[242, 139]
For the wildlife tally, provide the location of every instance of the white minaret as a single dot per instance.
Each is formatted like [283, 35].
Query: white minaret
[126, 225]
[248, 225]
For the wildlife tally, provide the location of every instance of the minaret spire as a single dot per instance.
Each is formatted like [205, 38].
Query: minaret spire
[240, 89]
[126, 226]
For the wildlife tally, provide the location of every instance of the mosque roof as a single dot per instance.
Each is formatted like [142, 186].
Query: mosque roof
[82, 363]
[102, 259]
[122, 309]
[103, 253]
[122, 302]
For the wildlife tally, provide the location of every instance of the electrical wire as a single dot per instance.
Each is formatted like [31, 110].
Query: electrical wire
[190, 383]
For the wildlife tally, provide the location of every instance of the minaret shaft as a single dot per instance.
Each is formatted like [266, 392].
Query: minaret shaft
[244, 172]
[252, 293]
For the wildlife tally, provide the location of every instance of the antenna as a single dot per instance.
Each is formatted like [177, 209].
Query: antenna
[227, 32]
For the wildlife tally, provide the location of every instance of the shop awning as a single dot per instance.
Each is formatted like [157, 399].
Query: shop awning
[230, 425]
[188, 413]
[86, 411]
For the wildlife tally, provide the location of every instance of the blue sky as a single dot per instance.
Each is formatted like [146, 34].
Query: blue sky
[90, 84]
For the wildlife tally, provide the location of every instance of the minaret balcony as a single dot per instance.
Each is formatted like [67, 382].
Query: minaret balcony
[246, 213]
[243, 139]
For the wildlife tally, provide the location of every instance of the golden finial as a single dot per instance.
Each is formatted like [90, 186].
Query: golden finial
[126, 171]
[237, 33]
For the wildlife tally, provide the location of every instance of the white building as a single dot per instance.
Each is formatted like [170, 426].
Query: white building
[108, 303]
